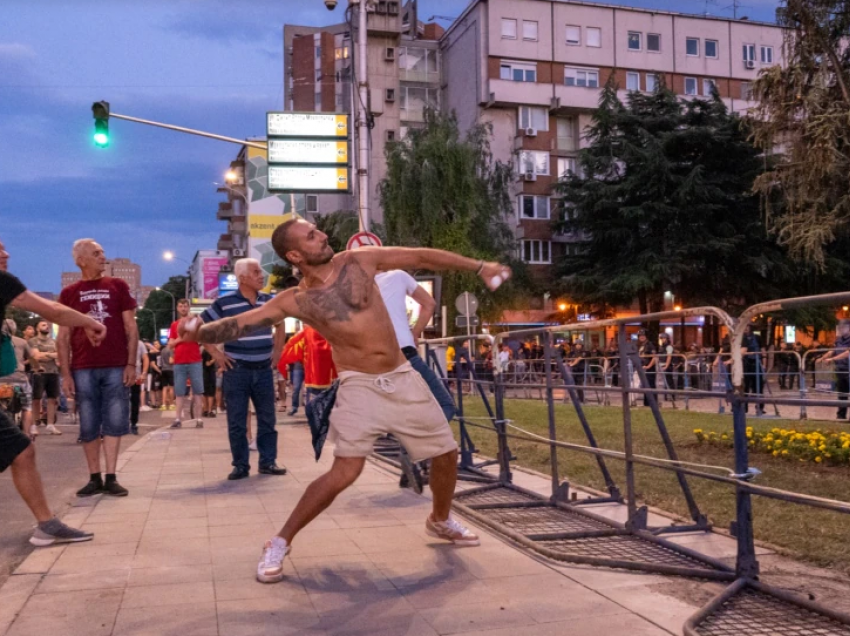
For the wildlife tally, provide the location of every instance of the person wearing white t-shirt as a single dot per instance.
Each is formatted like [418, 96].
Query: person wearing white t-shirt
[395, 286]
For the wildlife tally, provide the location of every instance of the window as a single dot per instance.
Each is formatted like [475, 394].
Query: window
[593, 36]
[767, 55]
[508, 29]
[390, 134]
[747, 91]
[566, 166]
[567, 133]
[529, 30]
[711, 49]
[318, 75]
[533, 117]
[418, 64]
[634, 39]
[690, 86]
[312, 203]
[318, 101]
[533, 207]
[318, 52]
[633, 81]
[708, 86]
[341, 53]
[692, 47]
[574, 35]
[581, 77]
[390, 97]
[518, 72]
[749, 52]
[651, 82]
[533, 161]
[534, 251]
[653, 42]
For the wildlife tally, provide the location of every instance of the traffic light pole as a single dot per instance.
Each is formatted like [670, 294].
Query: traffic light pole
[363, 118]
[191, 131]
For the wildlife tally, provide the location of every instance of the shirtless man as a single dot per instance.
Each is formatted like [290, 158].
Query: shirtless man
[379, 391]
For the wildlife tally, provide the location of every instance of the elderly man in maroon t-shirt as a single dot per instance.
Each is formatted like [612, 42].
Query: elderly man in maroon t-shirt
[100, 377]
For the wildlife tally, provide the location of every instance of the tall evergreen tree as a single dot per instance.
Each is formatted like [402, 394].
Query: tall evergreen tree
[663, 201]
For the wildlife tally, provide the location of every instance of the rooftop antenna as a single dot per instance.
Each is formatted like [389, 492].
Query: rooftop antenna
[442, 17]
[736, 4]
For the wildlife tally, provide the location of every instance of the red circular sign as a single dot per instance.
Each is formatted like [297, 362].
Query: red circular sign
[363, 239]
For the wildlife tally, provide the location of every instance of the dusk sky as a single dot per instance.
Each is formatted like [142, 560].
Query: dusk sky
[209, 64]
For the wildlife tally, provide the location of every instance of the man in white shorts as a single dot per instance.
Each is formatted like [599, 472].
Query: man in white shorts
[379, 391]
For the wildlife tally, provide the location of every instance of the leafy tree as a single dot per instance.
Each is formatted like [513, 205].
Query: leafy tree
[803, 113]
[339, 226]
[445, 190]
[664, 202]
[22, 318]
[159, 304]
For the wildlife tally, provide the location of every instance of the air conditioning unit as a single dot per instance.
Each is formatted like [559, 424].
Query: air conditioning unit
[390, 95]
[750, 64]
[529, 176]
[530, 132]
[389, 54]
[238, 252]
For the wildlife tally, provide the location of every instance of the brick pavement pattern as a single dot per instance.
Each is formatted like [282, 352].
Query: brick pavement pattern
[178, 556]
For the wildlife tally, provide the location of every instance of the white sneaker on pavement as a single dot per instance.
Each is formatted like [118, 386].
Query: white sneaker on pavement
[252, 445]
[451, 530]
[145, 408]
[34, 430]
[270, 568]
[52, 430]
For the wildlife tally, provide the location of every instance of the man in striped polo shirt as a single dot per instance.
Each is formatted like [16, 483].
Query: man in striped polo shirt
[247, 365]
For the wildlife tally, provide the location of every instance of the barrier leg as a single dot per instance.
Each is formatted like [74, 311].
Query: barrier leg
[746, 565]
[631, 501]
[550, 410]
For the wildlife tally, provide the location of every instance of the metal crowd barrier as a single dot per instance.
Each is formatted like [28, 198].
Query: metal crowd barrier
[563, 529]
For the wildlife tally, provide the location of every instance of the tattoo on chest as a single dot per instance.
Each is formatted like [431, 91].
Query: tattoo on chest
[349, 294]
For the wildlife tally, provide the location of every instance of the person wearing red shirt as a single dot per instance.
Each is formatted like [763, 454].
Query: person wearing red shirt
[308, 346]
[187, 366]
[100, 377]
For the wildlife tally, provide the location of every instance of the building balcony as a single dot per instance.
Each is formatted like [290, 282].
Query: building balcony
[527, 93]
[577, 96]
[225, 242]
[225, 211]
[425, 77]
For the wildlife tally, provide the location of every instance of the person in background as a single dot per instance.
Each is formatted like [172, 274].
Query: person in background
[577, 364]
[210, 373]
[612, 362]
[841, 357]
[154, 379]
[504, 358]
[45, 377]
[100, 377]
[166, 359]
[753, 370]
[136, 391]
[667, 365]
[649, 361]
[143, 391]
[316, 355]
[187, 368]
[19, 379]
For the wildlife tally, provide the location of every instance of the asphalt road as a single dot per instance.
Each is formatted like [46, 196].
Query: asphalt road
[63, 470]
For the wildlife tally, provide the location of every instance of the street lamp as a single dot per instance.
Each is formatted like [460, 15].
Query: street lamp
[173, 309]
[562, 306]
[171, 256]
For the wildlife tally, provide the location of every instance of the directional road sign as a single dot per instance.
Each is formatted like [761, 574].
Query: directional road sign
[301, 151]
[466, 321]
[308, 178]
[306, 125]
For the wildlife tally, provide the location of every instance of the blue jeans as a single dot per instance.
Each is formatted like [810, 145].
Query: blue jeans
[444, 399]
[103, 402]
[239, 385]
[297, 383]
[193, 372]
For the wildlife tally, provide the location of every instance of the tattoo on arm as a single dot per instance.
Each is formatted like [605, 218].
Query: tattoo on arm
[228, 329]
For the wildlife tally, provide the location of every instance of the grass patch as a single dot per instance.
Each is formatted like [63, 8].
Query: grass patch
[818, 536]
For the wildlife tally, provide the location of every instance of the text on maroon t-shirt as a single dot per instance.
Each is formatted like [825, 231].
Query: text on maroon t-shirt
[105, 300]
[185, 352]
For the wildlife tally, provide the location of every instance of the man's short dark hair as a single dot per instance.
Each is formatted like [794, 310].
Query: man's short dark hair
[183, 301]
[281, 241]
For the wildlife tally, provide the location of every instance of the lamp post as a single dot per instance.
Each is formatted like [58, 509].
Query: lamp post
[173, 308]
[170, 256]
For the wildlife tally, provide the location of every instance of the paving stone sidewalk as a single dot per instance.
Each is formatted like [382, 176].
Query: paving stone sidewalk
[178, 557]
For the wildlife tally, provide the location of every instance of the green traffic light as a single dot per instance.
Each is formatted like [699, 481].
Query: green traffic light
[101, 140]
[101, 133]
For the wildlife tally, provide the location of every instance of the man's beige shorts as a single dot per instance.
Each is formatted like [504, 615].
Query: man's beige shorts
[398, 403]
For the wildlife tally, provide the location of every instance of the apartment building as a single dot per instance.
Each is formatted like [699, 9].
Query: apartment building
[534, 69]
[403, 60]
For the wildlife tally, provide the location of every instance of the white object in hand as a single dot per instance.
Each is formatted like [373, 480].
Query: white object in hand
[192, 324]
[495, 282]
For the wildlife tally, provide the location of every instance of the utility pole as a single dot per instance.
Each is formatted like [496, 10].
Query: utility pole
[363, 115]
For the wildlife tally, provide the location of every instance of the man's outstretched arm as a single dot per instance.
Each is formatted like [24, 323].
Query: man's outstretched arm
[386, 258]
[227, 329]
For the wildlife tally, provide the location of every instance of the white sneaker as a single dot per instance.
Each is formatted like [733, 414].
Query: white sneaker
[34, 430]
[270, 568]
[199, 423]
[252, 445]
[145, 408]
[52, 430]
[451, 530]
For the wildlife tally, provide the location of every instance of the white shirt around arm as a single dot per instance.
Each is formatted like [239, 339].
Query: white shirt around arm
[395, 286]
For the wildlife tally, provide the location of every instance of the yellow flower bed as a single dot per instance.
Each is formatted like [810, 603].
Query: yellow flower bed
[821, 447]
